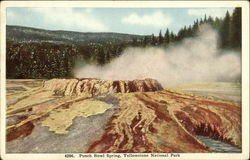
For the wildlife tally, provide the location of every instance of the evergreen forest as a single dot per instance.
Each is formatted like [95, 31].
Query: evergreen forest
[37, 59]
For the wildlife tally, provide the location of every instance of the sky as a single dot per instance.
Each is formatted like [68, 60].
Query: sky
[142, 21]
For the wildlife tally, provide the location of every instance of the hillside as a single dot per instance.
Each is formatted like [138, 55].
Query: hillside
[46, 51]
[28, 34]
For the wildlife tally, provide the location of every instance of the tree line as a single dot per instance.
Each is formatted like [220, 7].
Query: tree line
[229, 30]
[51, 60]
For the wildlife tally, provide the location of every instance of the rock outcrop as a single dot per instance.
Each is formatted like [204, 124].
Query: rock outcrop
[75, 87]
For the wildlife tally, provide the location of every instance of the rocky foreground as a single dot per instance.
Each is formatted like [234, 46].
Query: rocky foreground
[91, 115]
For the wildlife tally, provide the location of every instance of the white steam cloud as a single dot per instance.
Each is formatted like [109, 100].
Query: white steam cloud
[193, 60]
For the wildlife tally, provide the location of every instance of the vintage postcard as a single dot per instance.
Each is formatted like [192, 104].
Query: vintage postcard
[124, 80]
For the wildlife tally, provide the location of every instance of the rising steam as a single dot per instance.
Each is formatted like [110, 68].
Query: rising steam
[193, 60]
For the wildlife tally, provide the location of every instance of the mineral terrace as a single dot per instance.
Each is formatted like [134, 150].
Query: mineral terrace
[92, 115]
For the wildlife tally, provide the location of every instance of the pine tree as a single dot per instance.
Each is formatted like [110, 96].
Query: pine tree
[210, 20]
[153, 41]
[167, 36]
[181, 34]
[145, 41]
[107, 55]
[189, 31]
[205, 18]
[201, 21]
[160, 38]
[217, 23]
[172, 37]
[100, 56]
[225, 31]
[235, 36]
[185, 31]
[195, 27]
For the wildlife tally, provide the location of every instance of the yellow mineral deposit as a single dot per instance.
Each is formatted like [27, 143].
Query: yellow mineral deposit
[31, 99]
[60, 119]
[148, 118]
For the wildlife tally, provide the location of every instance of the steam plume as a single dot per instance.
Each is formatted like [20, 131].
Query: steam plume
[193, 60]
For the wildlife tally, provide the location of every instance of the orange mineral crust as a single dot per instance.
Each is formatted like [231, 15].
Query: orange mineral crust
[166, 121]
[102, 116]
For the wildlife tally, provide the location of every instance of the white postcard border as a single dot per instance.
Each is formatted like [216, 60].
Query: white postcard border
[140, 4]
